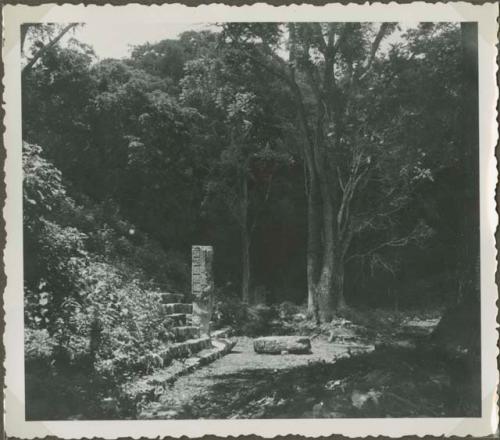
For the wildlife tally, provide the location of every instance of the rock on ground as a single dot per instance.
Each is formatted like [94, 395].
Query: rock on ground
[282, 344]
[234, 385]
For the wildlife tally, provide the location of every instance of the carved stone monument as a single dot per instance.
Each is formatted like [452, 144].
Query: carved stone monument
[202, 287]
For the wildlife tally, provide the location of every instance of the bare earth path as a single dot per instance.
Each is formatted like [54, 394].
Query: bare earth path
[244, 383]
[337, 380]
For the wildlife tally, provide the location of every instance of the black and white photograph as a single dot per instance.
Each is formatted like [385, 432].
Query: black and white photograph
[251, 220]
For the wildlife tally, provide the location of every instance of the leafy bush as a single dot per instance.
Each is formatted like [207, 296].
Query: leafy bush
[231, 312]
[259, 321]
[250, 320]
[91, 320]
[43, 190]
[38, 345]
[288, 309]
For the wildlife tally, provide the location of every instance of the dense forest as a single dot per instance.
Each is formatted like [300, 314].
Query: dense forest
[331, 166]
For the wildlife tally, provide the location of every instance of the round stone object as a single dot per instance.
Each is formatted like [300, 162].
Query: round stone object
[280, 344]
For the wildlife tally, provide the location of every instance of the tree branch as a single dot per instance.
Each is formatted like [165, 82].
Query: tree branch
[413, 236]
[374, 48]
[24, 32]
[341, 183]
[396, 242]
[340, 40]
[356, 174]
[318, 38]
[41, 52]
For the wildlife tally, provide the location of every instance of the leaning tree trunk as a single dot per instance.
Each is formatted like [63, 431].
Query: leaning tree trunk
[28, 67]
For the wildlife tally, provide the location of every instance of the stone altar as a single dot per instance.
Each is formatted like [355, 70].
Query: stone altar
[282, 345]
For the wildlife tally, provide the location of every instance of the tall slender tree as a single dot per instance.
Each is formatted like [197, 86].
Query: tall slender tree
[329, 69]
[227, 94]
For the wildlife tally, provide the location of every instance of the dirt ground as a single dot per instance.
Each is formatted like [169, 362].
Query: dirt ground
[347, 379]
[221, 387]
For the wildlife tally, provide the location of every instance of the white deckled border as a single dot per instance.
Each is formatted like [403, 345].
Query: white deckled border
[486, 15]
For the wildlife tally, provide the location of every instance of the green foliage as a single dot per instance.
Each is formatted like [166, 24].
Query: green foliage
[166, 136]
[245, 319]
[38, 345]
[200, 140]
[287, 309]
[259, 320]
[42, 182]
[85, 305]
[231, 311]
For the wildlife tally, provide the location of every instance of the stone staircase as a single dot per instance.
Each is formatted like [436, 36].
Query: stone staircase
[186, 335]
[190, 347]
[188, 351]
[180, 313]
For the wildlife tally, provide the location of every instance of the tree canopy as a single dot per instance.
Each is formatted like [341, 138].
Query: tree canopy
[332, 166]
[323, 160]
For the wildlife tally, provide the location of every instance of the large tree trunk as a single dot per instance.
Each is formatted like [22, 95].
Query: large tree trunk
[245, 266]
[468, 268]
[326, 305]
[245, 243]
[313, 245]
[321, 217]
[324, 286]
[465, 313]
[338, 284]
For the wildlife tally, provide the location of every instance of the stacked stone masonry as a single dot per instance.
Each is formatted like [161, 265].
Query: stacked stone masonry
[168, 298]
[194, 343]
[178, 308]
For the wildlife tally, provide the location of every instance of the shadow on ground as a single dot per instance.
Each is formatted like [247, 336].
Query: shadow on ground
[384, 383]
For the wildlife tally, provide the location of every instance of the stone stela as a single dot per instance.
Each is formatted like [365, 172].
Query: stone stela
[202, 287]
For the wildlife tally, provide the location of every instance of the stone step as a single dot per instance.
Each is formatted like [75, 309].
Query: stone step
[168, 297]
[179, 319]
[165, 377]
[186, 332]
[217, 349]
[222, 333]
[172, 308]
[185, 349]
